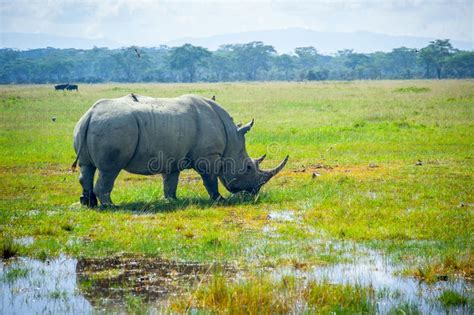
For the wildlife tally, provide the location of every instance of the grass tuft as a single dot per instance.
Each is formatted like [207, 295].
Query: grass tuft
[412, 89]
[261, 295]
[452, 298]
[406, 308]
[9, 248]
[338, 298]
[14, 274]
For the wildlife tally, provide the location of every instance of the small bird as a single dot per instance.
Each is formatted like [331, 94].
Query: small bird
[213, 97]
[136, 50]
[53, 119]
[134, 97]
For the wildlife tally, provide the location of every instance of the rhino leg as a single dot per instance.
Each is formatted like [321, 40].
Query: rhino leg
[207, 169]
[86, 178]
[104, 185]
[170, 184]
[212, 186]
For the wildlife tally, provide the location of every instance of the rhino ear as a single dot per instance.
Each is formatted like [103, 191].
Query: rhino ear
[245, 128]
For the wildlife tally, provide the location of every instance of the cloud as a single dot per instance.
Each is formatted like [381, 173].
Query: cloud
[153, 22]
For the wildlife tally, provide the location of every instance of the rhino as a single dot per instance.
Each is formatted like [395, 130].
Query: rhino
[145, 135]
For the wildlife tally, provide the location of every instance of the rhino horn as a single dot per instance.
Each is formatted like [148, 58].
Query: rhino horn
[245, 128]
[267, 175]
[260, 159]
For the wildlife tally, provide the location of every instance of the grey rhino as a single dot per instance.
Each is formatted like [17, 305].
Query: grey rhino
[145, 135]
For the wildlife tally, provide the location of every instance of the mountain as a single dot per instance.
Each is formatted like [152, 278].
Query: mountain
[29, 41]
[285, 40]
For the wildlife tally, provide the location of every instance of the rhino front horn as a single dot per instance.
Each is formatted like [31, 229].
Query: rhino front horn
[277, 169]
[267, 175]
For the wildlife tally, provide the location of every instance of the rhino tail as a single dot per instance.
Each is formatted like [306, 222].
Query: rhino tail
[83, 136]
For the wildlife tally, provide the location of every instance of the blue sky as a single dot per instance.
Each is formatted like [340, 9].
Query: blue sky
[146, 22]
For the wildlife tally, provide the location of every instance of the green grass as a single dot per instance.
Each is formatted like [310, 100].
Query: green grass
[451, 298]
[405, 309]
[261, 295]
[367, 136]
[13, 274]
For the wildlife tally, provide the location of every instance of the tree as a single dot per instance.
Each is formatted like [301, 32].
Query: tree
[402, 62]
[307, 56]
[285, 63]
[460, 64]
[435, 55]
[220, 65]
[250, 58]
[188, 58]
[354, 61]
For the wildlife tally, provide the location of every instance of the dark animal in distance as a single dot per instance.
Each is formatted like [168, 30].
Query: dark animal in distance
[60, 87]
[71, 87]
[147, 136]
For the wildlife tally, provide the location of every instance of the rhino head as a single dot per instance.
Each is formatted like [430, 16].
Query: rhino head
[242, 173]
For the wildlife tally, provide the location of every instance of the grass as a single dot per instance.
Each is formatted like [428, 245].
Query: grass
[135, 305]
[405, 309]
[13, 274]
[57, 294]
[8, 248]
[394, 158]
[261, 295]
[451, 298]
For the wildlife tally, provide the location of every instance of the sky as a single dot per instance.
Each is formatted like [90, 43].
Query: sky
[147, 23]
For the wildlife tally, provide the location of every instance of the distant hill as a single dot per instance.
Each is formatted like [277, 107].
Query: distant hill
[30, 41]
[285, 40]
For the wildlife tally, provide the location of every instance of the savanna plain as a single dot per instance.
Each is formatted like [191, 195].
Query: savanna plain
[372, 214]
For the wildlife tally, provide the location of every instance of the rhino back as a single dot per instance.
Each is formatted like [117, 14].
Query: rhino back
[171, 130]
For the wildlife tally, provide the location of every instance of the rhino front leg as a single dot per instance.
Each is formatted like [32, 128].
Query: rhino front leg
[212, 186]
[104, 185]
[86, 178]
[170, 184]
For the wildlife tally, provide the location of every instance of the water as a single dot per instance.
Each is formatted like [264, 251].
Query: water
[370, 268]
[282, 216]
[48, 287]
[67, 285]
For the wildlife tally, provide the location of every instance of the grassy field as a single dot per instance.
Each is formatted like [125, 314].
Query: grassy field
[387, 165]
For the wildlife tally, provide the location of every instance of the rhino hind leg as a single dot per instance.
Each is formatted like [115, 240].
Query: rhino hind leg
[86, 178]
[170, 184]
[104, 185]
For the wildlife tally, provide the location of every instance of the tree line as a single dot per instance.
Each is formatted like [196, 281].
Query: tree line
[252, 61]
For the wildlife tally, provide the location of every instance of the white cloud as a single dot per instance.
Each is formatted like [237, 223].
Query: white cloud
[153, 22]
